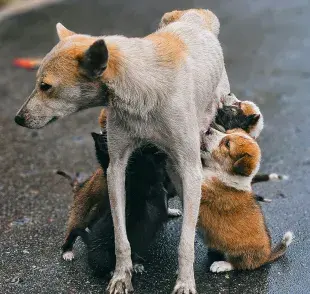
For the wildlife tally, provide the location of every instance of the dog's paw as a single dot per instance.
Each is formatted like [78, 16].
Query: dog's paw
[138, 268]
[120, 282]
[184, 288]
[221, 266]
[174, 212]
[68, 256]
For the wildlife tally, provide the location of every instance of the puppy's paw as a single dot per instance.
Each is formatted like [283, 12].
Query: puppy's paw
[221, 266]
[173, 212]
[121, 282]
[68, 256]
[184, 287]
[138, 268]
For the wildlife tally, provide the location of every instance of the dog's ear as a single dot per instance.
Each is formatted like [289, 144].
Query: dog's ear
[245, 165]
[252, 119]
[63, 32]
[95, 60]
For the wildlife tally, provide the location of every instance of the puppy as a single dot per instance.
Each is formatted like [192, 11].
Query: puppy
[160, 89]
[146, 208]
[234, 113]
[230, 218]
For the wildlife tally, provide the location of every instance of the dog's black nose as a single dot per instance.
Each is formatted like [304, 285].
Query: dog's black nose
[20, 120]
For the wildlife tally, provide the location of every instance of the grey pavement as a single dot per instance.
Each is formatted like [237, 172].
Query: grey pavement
[266, 45]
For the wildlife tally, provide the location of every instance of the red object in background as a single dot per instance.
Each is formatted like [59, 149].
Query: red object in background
[27, 63]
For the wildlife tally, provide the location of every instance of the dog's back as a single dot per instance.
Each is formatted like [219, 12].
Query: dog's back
[204, 65]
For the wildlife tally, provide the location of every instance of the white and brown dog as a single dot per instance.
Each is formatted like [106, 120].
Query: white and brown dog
[160, 89]
[232, 221]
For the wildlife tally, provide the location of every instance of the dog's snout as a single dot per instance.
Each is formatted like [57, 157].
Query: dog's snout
[20, 120]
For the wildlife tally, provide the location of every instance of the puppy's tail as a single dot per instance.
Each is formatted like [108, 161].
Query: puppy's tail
[269, 177]
[262, 198]
[281, 247]
[73, 180]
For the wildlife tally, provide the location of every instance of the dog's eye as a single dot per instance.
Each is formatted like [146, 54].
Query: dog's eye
[227, 144]
[44, 87]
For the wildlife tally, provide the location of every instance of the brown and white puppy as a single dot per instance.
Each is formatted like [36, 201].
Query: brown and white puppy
[230, 218]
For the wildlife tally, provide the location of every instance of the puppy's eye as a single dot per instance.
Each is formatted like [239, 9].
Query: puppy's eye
[227, 144]
[44, 87]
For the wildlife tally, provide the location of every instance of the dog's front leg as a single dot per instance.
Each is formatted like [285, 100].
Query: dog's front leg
[121, 280]
[190, 175]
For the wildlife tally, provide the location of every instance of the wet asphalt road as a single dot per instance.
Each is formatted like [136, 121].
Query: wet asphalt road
[266, 45]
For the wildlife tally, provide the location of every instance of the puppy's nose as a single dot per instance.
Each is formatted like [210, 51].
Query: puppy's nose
[20, 120]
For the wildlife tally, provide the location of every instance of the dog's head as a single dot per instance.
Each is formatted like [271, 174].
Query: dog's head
[206, 17]
[72, 77]
[233, 153]
[241, 114]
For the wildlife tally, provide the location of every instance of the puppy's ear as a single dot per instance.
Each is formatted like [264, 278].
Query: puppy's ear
[252, 119]
[95, 60]
[95, 136]
[63, 32]
[245, 165]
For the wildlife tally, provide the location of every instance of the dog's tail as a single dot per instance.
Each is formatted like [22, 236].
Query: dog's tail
[269, 177]
[281, 247]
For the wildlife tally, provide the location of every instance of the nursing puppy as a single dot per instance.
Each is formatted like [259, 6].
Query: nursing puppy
[161, 90]
[229, 217]
[235, 113]
[146, 208]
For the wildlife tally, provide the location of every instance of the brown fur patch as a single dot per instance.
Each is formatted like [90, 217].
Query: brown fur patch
[115, 63]
[211, 21]
[234, 224]
[247, 109]
[170, 49]
[172, 16]
[102, 119]
[241, 157]
[93, 192]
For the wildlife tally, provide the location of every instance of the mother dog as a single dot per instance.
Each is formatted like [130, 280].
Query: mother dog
[160, 89]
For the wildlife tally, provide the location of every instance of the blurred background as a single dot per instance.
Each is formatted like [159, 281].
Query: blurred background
[266, 46]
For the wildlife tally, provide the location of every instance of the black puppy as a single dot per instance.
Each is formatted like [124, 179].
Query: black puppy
[146, 208]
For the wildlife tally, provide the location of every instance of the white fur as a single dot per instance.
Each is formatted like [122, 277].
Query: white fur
[138, 268]
[276, 177]
[174, 212]
[255, 132]
[68, 256]
[221, 266]
[238, 182]
[288, 238]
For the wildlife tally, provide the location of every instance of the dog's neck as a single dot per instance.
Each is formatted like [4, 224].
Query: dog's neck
[238, 182]
[139, 82]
